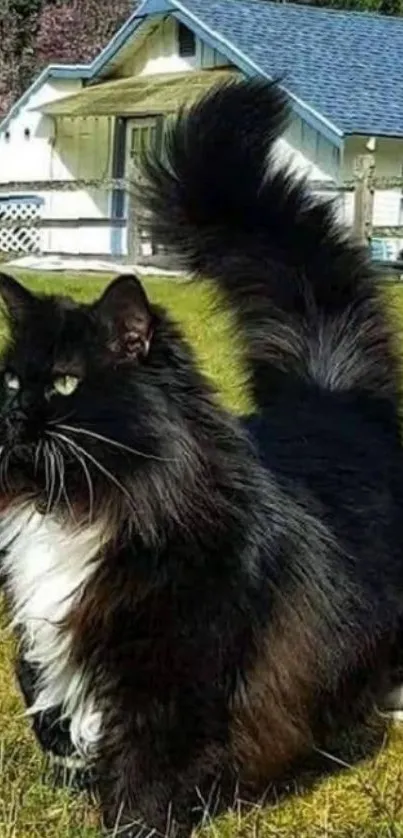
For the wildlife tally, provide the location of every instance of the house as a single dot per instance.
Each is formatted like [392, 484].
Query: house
[342, 70]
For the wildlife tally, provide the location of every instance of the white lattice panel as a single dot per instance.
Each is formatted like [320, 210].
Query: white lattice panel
[19, 238]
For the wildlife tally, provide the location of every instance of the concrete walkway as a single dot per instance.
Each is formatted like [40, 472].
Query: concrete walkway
[82, 265]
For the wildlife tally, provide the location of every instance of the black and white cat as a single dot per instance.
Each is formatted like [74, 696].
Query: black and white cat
[203, 598]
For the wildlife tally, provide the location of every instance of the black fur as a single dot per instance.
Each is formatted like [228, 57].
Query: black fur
[252, 587]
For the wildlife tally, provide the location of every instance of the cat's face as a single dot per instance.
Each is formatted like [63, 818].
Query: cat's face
[72, 395]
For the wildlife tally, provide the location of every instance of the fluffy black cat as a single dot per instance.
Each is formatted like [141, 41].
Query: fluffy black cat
[204, 598]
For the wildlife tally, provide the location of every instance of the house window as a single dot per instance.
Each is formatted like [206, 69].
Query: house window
[186, 42]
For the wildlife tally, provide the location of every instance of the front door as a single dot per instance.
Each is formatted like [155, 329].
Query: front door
[141, 134]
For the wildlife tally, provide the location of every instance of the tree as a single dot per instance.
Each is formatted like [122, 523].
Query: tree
[34, 33]
[18, 28]
[76, 30]
[386, 7]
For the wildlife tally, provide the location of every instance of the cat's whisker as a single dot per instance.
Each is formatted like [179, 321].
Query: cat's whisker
[52, 470]
[88, 478]
[53, 422]
[52, 473]
[102, 469]
[58, 445]
[8, 455]
[46, 464]
[2, 484]
[4, 472]
[59, 470]
[114, 443]
[90, 486]
[68, 504]
[38, 452]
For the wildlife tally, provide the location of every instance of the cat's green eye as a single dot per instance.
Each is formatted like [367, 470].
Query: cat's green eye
[65, 385]
[12, 382]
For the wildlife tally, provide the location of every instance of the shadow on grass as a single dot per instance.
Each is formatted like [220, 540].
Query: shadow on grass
[238, 812]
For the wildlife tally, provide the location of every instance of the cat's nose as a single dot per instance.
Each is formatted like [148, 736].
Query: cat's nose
[16, 416]
[16, 423]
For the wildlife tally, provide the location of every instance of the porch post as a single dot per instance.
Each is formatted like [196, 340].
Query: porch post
[118, 195]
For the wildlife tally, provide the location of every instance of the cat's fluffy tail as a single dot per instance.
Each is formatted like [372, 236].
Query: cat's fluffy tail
[304, 295]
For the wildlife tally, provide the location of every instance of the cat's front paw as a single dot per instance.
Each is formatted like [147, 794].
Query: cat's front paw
[70, 772]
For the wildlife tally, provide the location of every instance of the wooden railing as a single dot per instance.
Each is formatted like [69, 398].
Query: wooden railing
[125, 215]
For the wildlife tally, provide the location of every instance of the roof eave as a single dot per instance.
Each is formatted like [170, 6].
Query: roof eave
[369, 132]
[54, 71]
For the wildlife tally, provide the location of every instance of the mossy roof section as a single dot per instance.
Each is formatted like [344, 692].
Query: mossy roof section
[139, 96]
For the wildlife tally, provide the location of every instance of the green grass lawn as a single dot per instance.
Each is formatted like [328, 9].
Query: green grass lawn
[364, 798]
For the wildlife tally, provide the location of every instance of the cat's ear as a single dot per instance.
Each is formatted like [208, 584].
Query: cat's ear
[125, 312]
[18, 300]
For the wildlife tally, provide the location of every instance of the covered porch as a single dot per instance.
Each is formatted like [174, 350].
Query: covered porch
[99, 134]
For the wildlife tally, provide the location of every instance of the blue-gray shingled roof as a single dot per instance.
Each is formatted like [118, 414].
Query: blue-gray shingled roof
[348, 66]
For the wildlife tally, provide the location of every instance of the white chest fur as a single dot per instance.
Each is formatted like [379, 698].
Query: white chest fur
[47, 568]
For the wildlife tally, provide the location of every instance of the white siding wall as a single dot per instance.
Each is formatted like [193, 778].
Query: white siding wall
[65, 149]
[30, 159]
[159, 54]
[304, 162]
[310, 155]
[320, 156]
